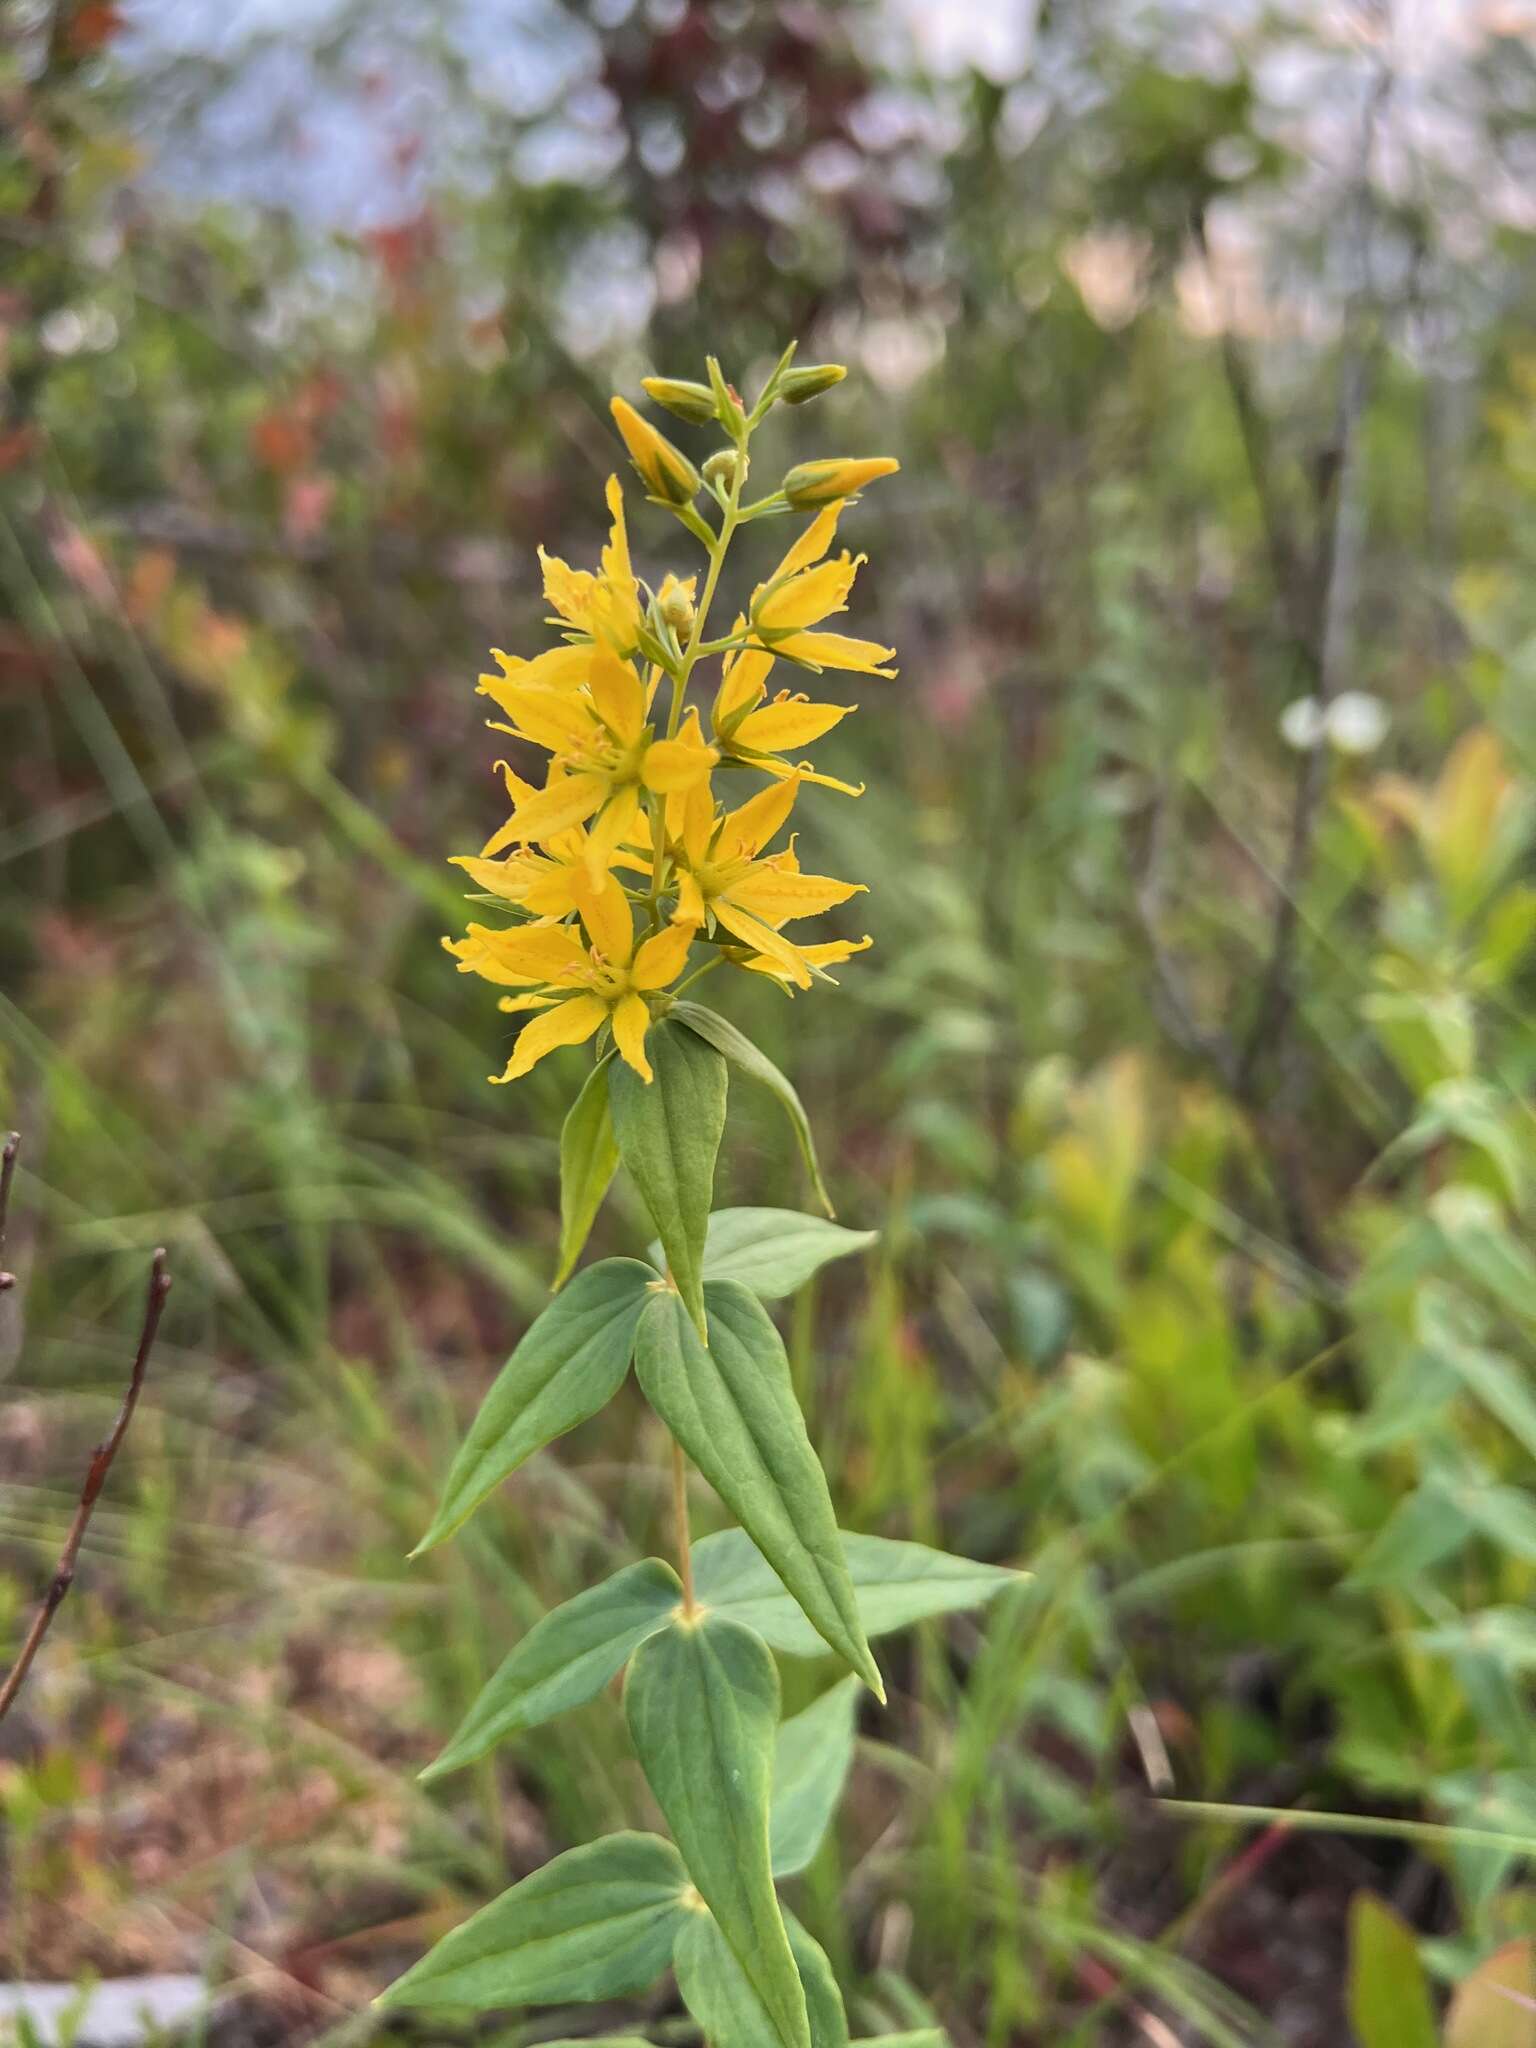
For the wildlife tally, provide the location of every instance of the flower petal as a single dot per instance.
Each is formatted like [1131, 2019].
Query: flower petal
[776, 894]
[607, 916]
[555, 719]
[619, 696]
[745, 831]
[661, 958]
[813, 594]
[569, 1023]
[681, 763]
[787, 722]
[631, 1021]
[764, 939]
[813, 543]
[569, 800]
[836, 650]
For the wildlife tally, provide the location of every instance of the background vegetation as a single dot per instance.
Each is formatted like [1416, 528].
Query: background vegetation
[1189, 1080]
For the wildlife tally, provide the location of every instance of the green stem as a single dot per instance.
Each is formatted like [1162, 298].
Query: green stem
[698, 974]
[695, 645]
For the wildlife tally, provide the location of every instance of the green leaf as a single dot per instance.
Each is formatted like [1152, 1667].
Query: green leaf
[810, 1764]
[1421, 1530]
[589, 1158]
[1389, 2001]
[919, 2037]
[565, 1659]
[774, 1251]
[597, 1922]
[571, 1362]
[715, 1989]
[702, 1699]
[723, 1035]
[732, 1407]
[894, 1583]
[668, 1133]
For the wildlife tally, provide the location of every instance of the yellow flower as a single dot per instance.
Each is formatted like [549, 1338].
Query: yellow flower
[805, 589]
[605, 757]
[543, 884]
[605, 606]
[758, 734]
[576, 988]
[721, 879]
[813, 483]
[665, 471]
[817, 958]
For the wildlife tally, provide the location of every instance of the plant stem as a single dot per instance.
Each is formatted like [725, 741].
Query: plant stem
[680, 1512]
[701, 615]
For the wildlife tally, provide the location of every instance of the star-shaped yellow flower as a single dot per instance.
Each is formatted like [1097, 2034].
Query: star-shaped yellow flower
[606, 757]
[577, 988]
[723, 878]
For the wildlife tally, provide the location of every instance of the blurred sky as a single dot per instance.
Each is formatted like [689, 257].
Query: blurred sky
[347, 113]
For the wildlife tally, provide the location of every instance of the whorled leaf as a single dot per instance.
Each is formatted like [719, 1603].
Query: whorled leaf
[732, 1407]
[1389, 2000]
[702, 1698]
[810, 1764]
[570, 1363]
[774, 1251]
[589, 1158]
[668, 1132]
[565, 1659]
[716, 1990]
[723, 1035]
[597, 1922]
[894, 1583]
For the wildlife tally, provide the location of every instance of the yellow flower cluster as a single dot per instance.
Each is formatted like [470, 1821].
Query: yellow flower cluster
[627, 856]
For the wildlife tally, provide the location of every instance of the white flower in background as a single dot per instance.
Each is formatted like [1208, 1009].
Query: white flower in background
[1355, 723]
[1302, 724]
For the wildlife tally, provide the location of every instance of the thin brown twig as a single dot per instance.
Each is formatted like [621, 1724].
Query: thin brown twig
[7, 1175]
[95, 1479]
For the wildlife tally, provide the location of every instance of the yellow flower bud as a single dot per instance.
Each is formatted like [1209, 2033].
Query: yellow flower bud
[689, 401]
[665, 471]
[721, 467]
[817, 483]
[796, 386]
[674, 601]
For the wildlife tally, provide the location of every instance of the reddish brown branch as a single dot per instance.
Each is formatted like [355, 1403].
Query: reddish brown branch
[96, 1472]
[7, 1175]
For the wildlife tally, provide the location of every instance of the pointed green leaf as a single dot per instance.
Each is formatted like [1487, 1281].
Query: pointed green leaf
[810, 1764]
[1389, 2001]
[571, 1362]
[894, 1583]
[715, 1989]
[919, 2037]
[723, 1035]
[774, 1251]
[589, 1158]
[668, 1133]
[597, 1922]
[565, 1659]
[702, 1699]
[732, 1407]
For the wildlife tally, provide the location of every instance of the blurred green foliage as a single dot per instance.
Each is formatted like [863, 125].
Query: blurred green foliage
[1189, 1080]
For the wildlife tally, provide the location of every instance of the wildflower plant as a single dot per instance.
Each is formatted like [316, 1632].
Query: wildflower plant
[654, 852]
